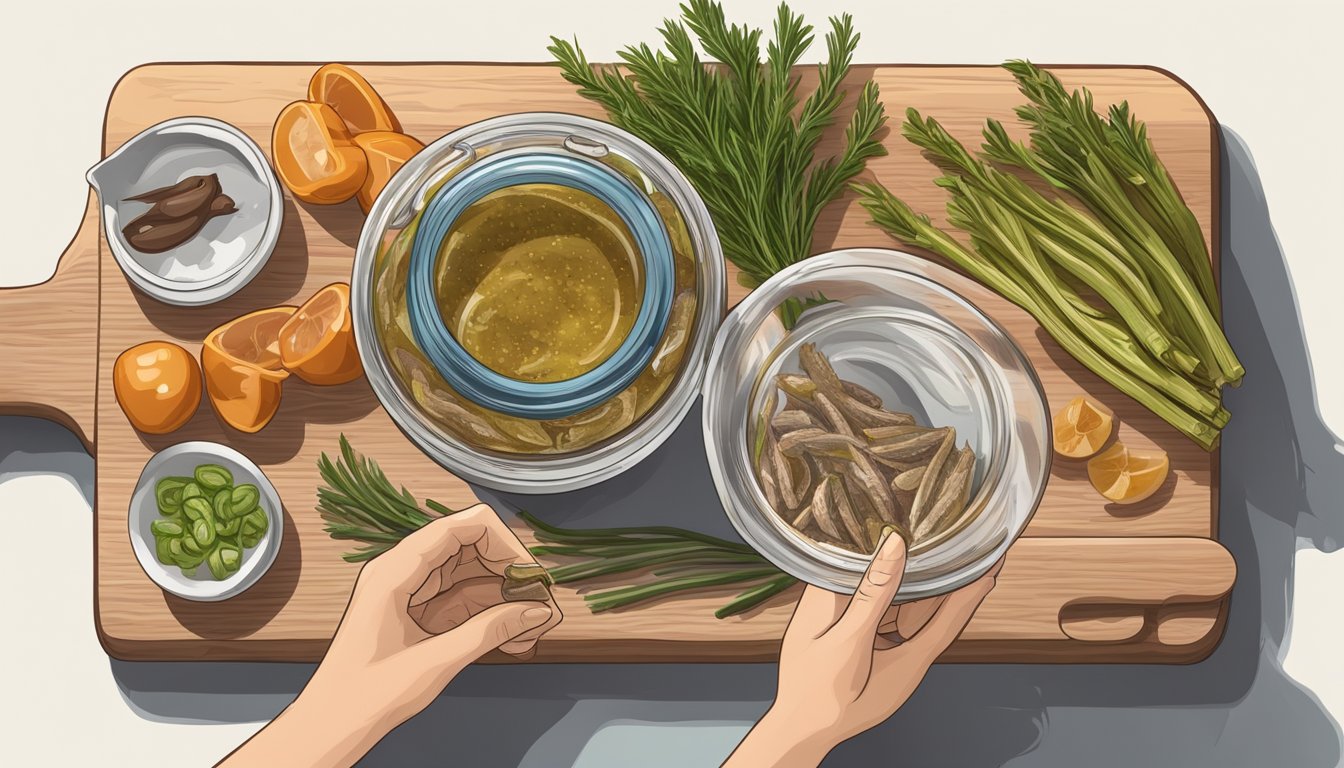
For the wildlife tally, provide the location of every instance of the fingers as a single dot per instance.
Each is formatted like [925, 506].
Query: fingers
[951, 617]
[816, 612]
[525, 645]
[404, 569]
[494, 627]
[877, 588]
[915, 615]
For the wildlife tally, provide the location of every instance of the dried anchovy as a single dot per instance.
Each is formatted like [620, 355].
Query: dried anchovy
[817, 442]
[911, 447]
[874, 492]
[952, 495]
[863, 395]
[526, 581]
[908, 480]
[803, 517]
[845, 511]
[896, 465]
[790, 492]
[883, 434]
[928, 484]
[789, 420]
[865, 417]
[822, 513]
[877, 468]
[819, 369]
[833, 416]
[798, 386]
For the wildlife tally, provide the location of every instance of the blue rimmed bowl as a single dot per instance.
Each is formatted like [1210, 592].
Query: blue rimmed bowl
[533, 436]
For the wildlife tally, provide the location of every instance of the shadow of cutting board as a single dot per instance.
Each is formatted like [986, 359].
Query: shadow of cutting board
[1089, 582]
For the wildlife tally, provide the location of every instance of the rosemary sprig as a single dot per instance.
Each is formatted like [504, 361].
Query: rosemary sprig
[360, 504]
[732, 129]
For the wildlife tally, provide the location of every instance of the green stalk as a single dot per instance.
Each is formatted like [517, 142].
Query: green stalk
[359, 504]
[755, 596]
[623, 596]
[897, 219]
[1111, 167]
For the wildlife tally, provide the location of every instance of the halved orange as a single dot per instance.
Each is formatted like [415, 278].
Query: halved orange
[1082, 428]
[314, 156]
[243, 374]
[385, 152]
[1126, 476]
[346, 91]
[318, 341]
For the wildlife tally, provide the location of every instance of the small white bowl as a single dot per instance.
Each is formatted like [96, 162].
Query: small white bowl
[229, 250]
[182, 459]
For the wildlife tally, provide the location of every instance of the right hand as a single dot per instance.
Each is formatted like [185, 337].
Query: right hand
[839, 675]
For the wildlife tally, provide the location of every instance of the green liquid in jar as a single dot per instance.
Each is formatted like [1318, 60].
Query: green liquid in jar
[539, 282]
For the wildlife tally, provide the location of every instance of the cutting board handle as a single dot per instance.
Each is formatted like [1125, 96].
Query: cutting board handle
[49, 338]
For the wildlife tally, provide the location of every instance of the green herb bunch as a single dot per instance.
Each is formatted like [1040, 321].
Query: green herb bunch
[739, 130]
[1122, 282]
[360, 504]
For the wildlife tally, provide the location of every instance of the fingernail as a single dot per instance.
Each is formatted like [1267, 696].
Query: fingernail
[534, 617]
[884, 544]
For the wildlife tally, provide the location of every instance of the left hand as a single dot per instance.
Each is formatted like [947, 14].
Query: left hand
[425, 609]
[420, 613]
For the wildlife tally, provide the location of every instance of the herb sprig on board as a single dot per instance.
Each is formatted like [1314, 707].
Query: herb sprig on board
[740, 131]
[360, 504]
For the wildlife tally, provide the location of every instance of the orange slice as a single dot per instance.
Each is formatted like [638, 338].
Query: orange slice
[241, 359]
[314, 155]
[346, 91]
[318, 342]
[1082, 428]
[1126, 476]
[385, 152]
[158, 386]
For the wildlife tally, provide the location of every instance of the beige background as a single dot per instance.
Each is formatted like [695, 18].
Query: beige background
[1269, 71]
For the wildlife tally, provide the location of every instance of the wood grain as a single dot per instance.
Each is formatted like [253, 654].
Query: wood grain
[1089, 583]
[49, 338]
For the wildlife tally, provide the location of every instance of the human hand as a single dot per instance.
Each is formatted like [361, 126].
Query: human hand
[419, 614]
[840, 672]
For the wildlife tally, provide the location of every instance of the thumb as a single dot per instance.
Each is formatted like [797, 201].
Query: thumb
[878, 586]
[488, 630]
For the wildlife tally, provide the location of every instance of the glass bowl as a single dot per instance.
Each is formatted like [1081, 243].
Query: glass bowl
[907, 330]
[525, 441]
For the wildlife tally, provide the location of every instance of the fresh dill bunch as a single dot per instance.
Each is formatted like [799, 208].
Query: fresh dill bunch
[740, 131]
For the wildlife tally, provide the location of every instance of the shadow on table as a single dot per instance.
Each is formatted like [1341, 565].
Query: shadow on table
[1282, 481]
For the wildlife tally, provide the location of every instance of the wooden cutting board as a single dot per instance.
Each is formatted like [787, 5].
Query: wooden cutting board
[1089, 582]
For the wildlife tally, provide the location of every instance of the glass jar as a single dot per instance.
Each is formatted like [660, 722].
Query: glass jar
[900, 327]
[506, 432]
